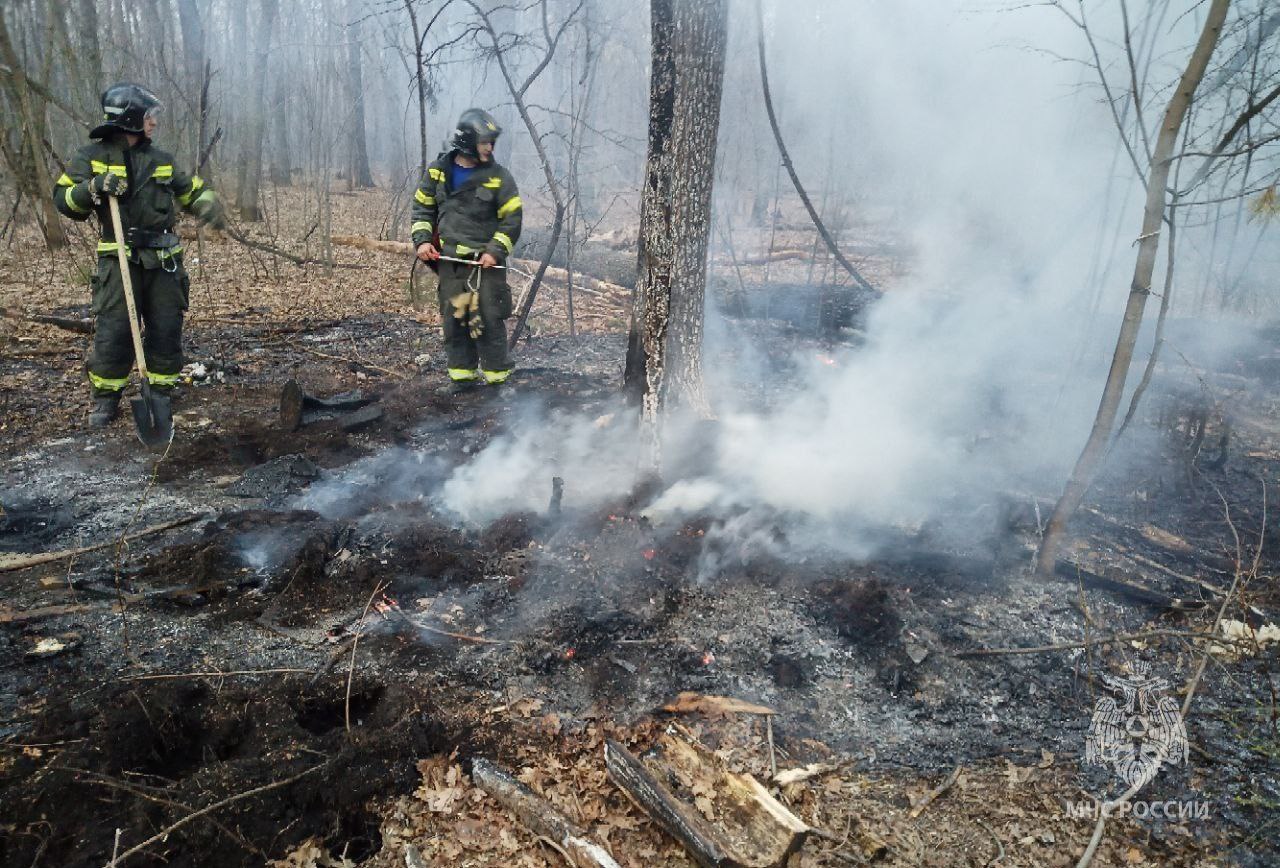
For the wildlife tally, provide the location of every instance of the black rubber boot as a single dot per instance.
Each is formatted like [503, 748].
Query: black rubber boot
[105, 410]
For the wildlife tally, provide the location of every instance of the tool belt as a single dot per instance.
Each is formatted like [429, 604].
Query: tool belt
[142, 239]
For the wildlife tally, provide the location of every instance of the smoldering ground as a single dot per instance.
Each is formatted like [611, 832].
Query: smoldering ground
[977, 374]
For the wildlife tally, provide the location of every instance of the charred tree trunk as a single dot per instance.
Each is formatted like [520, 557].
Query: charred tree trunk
[359, 171]
[251, 165]
[664, 356]
[1140, 289]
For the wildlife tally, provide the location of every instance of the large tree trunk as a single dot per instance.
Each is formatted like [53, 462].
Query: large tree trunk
[664, 357]
[251, 164]
[1139, 290]
[27, 158]
[90, 54]
[360, 175]
[193, 61]
[281, 154]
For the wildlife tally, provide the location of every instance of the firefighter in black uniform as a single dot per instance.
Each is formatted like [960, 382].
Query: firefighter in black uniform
[467, 207]
[121, 161]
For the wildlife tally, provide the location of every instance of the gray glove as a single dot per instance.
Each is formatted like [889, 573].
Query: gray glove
[107, 184]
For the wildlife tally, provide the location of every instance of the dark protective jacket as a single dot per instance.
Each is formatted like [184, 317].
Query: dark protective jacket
[157, 188]
[483, 215]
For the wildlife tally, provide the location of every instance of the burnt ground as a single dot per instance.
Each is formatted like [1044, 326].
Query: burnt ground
[146, 681]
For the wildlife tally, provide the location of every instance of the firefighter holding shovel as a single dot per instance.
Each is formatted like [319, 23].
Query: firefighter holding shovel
[466, 221]
[140, 288]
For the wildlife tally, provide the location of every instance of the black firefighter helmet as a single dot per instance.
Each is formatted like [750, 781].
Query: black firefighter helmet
[475, 126]
[124, 107]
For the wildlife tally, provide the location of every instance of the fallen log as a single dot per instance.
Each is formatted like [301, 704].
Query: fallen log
[775, 256]
[361, 242]
[540, 817]
[79, 326]
[751, 828]
[581, 280]
[1073, 572]
[9, 562]
[19, 617]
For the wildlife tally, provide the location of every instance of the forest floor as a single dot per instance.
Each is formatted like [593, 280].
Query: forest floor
[320, 649]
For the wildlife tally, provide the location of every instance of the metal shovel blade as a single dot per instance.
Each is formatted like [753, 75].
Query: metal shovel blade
[153, 417]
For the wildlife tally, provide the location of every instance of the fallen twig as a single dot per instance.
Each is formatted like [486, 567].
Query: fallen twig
[355, 642]
[213, 674]
[112, 783]
[11, 562]
[1108, 640]
[248, 794]
[937, 791]
[392, 373]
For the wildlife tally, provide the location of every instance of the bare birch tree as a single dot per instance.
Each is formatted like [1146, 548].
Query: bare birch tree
[1153, 217]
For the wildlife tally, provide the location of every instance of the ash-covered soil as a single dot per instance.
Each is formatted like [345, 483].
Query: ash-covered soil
[371, 636]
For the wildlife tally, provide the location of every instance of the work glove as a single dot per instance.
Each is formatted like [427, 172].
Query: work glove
[106, 184]
[466, 310]
[209, 210]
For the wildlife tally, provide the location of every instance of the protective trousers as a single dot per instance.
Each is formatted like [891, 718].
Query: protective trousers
[161, 297]
[488, 349]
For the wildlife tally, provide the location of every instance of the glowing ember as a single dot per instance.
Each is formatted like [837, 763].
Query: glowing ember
[827, 360]
[649, 554]
[570, 653]
[708, 658]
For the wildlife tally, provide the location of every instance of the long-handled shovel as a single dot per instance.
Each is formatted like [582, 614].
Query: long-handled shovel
[152, 414]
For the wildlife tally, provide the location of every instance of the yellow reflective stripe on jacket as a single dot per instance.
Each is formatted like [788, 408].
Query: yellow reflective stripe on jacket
[163, 172]
[463, 250]
[108, 247]
[196, 185]
[100, 167]
[493, 183]
[462, 375]
[424, 199]
[504, 239]
[71, 202]
[162, 379]
[64, 180]
[511, 206]
[113, 384]
[420, 226]
[435, 174]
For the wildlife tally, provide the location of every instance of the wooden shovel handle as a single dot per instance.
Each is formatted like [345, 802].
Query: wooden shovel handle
[135, 327]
